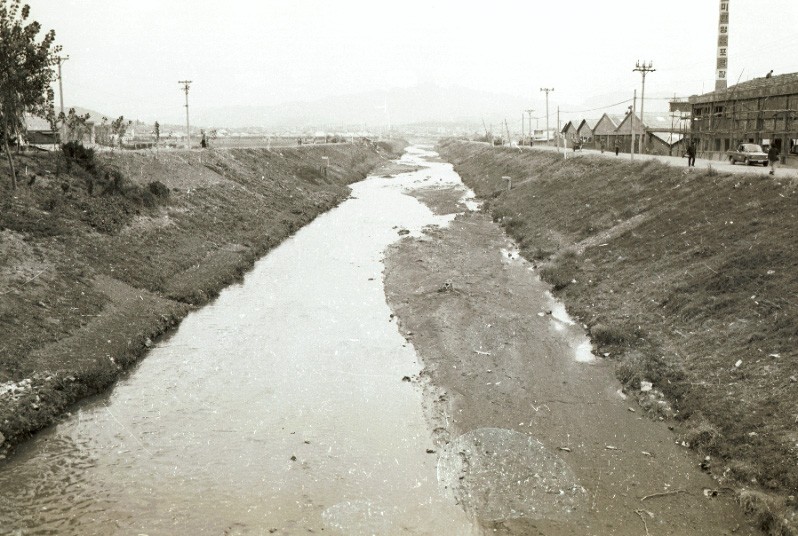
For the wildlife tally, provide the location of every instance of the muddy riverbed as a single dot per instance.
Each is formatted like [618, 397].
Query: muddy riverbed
[279, 408]
[297, 402]
[535, 435]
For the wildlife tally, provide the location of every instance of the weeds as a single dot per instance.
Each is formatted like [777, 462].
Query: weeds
[682, 297]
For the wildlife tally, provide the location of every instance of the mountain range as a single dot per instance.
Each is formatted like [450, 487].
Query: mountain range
[425, 103]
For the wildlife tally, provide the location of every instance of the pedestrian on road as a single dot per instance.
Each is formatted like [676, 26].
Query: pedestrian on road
[617, 147]
[691, 154]
[773, 158]
[602, 146]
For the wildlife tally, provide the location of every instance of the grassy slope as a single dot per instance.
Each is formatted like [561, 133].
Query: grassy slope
[678, 277]
[86, 281]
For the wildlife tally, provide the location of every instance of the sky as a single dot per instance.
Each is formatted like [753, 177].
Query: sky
[126, 57]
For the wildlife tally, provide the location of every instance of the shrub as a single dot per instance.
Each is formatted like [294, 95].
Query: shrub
[562, 271]
[158, 189]
[702, 435]
[75, 152]
[612, 334]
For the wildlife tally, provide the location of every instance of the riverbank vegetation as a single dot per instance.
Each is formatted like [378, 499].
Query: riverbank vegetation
[100, 254]
[687, 281]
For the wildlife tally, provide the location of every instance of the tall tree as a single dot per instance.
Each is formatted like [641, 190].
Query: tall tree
[26, 72]
[119, 128]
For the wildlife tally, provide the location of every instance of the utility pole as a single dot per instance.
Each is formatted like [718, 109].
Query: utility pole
[547, 90]
[60, 60]
[188, 130]
[529, 112]
[522, 128]
[643, 69]
[632, 125]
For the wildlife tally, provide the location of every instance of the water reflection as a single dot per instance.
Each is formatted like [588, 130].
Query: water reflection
[278, 407]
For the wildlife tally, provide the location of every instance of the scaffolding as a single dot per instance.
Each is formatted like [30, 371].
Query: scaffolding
[761, 111]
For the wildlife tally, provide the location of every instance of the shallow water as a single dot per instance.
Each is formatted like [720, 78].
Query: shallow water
[279, 406]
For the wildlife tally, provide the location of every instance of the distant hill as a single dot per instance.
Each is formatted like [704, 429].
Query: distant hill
[93, 115]
[423, 103]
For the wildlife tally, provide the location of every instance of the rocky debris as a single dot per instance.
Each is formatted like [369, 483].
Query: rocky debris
[447, 286]
[15, 390]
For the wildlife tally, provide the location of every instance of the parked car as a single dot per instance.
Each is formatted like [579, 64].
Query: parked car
[748, 153]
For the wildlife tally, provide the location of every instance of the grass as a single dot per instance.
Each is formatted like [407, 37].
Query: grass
[679, 277]
[91, 271]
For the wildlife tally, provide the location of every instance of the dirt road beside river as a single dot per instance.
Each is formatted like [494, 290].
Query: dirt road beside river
[533, 433]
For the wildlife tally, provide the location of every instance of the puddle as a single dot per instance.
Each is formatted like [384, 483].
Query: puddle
[510, 255]
[584, 352]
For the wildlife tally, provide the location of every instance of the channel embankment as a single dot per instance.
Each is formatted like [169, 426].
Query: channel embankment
[101, 254]
[687, 281]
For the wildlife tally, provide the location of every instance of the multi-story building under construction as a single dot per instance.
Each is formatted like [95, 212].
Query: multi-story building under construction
[763, 110]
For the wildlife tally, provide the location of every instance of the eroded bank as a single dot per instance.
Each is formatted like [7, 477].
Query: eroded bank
[92, 271]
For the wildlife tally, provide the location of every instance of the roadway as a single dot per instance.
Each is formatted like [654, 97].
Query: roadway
[701, 164]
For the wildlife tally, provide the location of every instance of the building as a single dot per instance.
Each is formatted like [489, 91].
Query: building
[570, 131]
[585, 130]
[630, 125]
[763, 110]
[660, 133]
[605, 130]
[39, 131]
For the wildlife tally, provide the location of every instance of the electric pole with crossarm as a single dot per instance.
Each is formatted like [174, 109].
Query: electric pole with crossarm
[188, 131]
[644, 69]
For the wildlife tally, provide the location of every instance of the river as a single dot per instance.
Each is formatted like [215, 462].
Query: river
[280, 408]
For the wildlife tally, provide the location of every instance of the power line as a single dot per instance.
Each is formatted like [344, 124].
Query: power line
[598, 108]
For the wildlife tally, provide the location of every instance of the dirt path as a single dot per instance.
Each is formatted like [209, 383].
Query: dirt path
[533, 436]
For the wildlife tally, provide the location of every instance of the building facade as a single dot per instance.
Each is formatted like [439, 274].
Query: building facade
[763, 110]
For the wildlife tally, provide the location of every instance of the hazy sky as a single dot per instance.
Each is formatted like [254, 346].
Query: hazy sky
[126, 57]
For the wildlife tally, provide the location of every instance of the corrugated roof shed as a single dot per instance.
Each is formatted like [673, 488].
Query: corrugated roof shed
[607, 124]
[37, 124]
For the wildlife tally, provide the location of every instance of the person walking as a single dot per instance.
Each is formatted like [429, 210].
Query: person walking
[691, 154]
[617, 147]
[773, 158]
[602, 146]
